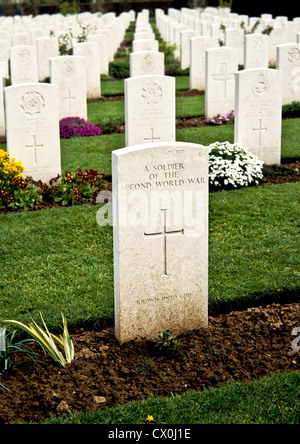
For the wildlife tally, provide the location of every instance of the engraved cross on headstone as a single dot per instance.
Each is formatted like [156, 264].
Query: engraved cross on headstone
[223, 76]
[25, 78]
[34, 147]
[164, 233]
[260, 129]
[151, 138]
[69, 97]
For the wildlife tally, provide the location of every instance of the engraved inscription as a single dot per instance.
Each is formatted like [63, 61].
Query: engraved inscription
[164, 233]
[152, 93]
[296, 79]
[69, 98]
[34, 146]
[148, 63]
[151, 138]
[223, 76]
[67, 68]
[260, 129]
[261, 86]
[293, 55]
[258, 43]
[32, 103]
[24, 55]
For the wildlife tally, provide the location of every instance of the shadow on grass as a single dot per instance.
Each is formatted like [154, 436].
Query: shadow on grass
[286, 296]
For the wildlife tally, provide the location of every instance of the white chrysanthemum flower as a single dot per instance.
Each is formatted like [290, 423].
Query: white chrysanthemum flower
[233, 164]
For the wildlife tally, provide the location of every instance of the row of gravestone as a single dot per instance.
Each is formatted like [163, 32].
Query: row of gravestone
[253, 50]
[219, 26]
[30, 52]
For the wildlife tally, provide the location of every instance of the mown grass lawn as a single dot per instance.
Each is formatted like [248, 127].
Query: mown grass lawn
[61, 260]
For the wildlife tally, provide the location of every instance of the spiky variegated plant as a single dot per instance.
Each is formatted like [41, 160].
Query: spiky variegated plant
[48, 340]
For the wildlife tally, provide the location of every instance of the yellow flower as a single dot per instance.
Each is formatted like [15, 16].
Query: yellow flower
[150, 418]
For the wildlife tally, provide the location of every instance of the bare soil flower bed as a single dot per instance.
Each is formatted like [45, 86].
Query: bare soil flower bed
[238, 346]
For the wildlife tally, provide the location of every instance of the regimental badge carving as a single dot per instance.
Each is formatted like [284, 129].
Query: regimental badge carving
[32, 103]
[293, 55]
[261, 86]
[67, 68]
[258, 43]
[24, 55]
[152, 93]
[148, 63]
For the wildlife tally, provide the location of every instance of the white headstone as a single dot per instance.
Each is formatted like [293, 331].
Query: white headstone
[32, 128]
[47, 47]
[147, 63]
[199, 45]
[145, 45]
[220, 67]
[149, 109]
[288, 61]
[185, 37]
[258, 112]
[100, 37]
[2, 119]
[234, 38]
[4, 57]
[69, 73]
[23, 64]
[160, 214]
[18, 39]
[89, 50]
[256, 51]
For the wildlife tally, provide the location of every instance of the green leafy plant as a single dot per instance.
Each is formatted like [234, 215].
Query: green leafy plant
[220, 41]
[252, 29]
[65, 43]
[144, 364]
[268, 29]
[16, 192]
[291, 110]
[12, 346]
[167, 341]
[9, 346]
[77, 187]
[274, 171]
[66, 8]
[119, 68]
[49, 341]
[24, 199]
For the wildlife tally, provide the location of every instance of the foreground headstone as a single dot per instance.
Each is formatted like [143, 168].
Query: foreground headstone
[69, 73]
[160, 218]
[258, 112]
[149, 109]
[32, 128]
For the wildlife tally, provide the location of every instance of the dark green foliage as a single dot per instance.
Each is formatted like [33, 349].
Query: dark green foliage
[291, 111]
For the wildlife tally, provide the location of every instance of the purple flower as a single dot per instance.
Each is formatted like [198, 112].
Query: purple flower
[77, 127]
